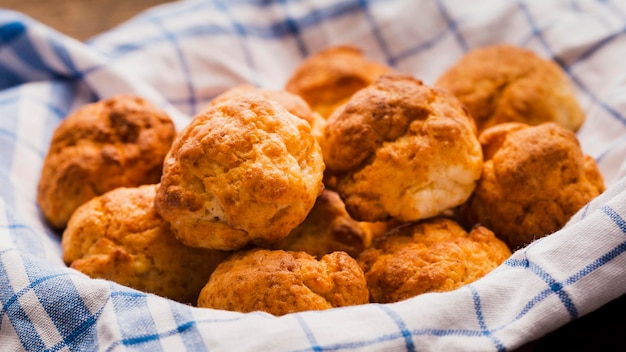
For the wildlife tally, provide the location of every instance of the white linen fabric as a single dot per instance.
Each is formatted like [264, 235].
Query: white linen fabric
[181, 55]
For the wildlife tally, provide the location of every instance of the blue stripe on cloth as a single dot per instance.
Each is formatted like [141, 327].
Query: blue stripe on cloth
[56, 42]
[25, 238]
[181, 9]
[557, 287]
[422, 45]
[9, 109]
[14, 140]
[607, 257]
[583, 212]
[611, 148]
[613, 215]
[384, 338]
[409, 344]
[128, 294]
[139, 327]
[187, 326]
[14, 37]
[10, 32]
[152, 339]
[325, 14]
[66, 308]
[8, 125]
[191, 101]
[25, 50]
[554, 287]
[63, 93]
[596, 46]
[452, 24]
[481, 319]
[9, 78]
[380, 40]
[242, 32]
[24, 327]
[308, 333]
[293, 28]
[606, 107]
[272, 31]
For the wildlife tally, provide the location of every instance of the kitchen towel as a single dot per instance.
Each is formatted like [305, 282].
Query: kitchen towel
[180, 55]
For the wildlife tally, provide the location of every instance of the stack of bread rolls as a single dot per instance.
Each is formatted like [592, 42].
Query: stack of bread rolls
[355, 183]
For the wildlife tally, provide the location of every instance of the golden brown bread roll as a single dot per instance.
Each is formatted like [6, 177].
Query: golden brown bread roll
[328, 78]
[290, 101]
[402, 150]
[328, 228]
[504, 83]
[281, 282]
[120, 141]
[244, 171]
[119, 236]
[534, 179]
[432, 255]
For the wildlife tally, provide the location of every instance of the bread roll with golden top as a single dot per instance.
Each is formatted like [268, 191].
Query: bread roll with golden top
[281, 282]
[432, 255]
[116, 142]
[504, 83]
[244, 171]
[119, 236]
[402, 150]
[292, 102]
[534, 179]
[329, 77]
[327, 228]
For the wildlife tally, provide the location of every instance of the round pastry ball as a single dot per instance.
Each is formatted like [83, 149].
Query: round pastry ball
[505, 83]
[244, 171]
[329, 77]
[119, 236]
[399, 149]
[432, 255]
[534, 179]
[115, 142]
[281, 282]
[328, 228]
[290, 101]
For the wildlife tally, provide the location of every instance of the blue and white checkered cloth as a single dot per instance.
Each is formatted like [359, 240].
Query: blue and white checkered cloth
[181, 55]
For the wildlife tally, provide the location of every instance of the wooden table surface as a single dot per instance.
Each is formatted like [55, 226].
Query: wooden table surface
[81, 19]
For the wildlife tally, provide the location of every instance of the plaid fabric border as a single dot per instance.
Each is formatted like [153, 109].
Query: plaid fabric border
[183, 54]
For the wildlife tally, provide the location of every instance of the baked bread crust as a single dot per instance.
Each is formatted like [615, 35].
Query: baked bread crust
[119, 236]
[401, 150]
[116, 142]
[432, 255]
[327, 228]
[281, 282]
[534, 179]
[290, 101]
[244, 171]
[505, 83]
[327, 79]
